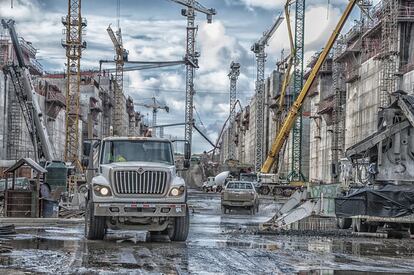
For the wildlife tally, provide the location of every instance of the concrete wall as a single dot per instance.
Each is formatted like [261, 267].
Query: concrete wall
[362, 103]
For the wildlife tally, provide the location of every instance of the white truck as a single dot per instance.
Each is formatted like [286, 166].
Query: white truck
[134, 185]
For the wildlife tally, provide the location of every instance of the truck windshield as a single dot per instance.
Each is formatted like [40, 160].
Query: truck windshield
[239, 185]
[248, 177]
[137, 150]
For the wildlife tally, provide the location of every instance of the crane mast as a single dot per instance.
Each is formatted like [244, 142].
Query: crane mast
[74, 45]
[192, 60]
[259, 49]
[233, 75]
[120, 57]
[287, 124]
[296, 169]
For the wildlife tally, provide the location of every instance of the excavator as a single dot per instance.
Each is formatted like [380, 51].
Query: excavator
[386, 159]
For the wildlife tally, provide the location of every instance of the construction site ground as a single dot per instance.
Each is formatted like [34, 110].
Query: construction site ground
[217, 244]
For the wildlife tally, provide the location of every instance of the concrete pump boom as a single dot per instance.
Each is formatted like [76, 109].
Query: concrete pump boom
[294, 110]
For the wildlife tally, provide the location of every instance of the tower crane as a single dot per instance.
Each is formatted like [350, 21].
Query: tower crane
[259, 49]
[74, 45]
[287, 124]
[192, 60]
[233, 75]
[155, 106]
[120, 58]
[296, 171]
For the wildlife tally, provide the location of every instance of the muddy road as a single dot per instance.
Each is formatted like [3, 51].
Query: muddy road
[217, 244]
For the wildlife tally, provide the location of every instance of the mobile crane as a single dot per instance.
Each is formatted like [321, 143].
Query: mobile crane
[287, 124]
[26, 95]
[289, 121]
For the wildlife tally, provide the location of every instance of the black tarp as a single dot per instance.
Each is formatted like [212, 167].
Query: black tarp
[388, 201]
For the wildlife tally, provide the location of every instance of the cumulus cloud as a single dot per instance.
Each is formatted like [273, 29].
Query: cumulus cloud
[217, 47]
[265, 4]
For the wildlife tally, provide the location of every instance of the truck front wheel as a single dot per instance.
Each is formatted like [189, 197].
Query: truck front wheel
[94, 225]
[344, 223]
[178, 230]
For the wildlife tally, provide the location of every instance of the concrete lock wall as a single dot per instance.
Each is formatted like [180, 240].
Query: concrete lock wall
[362, 103]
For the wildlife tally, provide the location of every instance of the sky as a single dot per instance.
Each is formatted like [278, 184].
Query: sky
[156, 31]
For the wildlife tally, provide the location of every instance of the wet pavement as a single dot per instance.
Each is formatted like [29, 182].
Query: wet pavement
[217, 244]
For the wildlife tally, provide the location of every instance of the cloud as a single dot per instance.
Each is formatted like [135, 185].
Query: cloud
[217, 47]
[157, 33]
[265, 4]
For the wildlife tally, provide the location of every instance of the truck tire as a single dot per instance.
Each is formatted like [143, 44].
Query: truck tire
[94, 225]
[252, 210]
[344, 223]
[178, 231]
[361, 226]
[264, 190]
[372, 228]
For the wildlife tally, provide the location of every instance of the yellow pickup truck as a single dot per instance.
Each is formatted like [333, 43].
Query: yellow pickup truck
[239, 194]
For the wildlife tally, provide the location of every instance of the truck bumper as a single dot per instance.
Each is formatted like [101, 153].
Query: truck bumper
[140, 209]
[237, 203]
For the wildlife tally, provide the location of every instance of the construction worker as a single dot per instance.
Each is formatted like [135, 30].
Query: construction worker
[120, 158]
[117, 158]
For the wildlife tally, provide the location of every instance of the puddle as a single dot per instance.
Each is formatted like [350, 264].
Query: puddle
[348, 272]
[216, 244]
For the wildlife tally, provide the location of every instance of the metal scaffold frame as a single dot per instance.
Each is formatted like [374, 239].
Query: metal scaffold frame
[296, 169]
[233, 75]
[338, 136]
[74, 45]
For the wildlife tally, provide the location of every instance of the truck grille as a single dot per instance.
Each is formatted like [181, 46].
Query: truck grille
[148, 182]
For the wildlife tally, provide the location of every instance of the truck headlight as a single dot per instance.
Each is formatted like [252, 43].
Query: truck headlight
[102, 190]
[177, 191]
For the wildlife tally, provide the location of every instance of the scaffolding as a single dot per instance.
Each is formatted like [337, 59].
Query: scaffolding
[19, 118]
[338, 136]
[389, 50]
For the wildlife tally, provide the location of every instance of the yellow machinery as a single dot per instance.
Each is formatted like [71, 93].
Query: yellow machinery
[293, 112]
[74, 45]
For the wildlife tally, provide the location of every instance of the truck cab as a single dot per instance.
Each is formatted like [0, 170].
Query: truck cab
[135, 186]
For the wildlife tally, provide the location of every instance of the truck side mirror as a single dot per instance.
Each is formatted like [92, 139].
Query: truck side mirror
[87, 146]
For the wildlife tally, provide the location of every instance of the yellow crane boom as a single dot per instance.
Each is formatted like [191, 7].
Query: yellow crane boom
[293, 112]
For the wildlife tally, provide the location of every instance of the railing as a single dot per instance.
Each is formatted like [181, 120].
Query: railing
[36, 65]
[27, 46]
